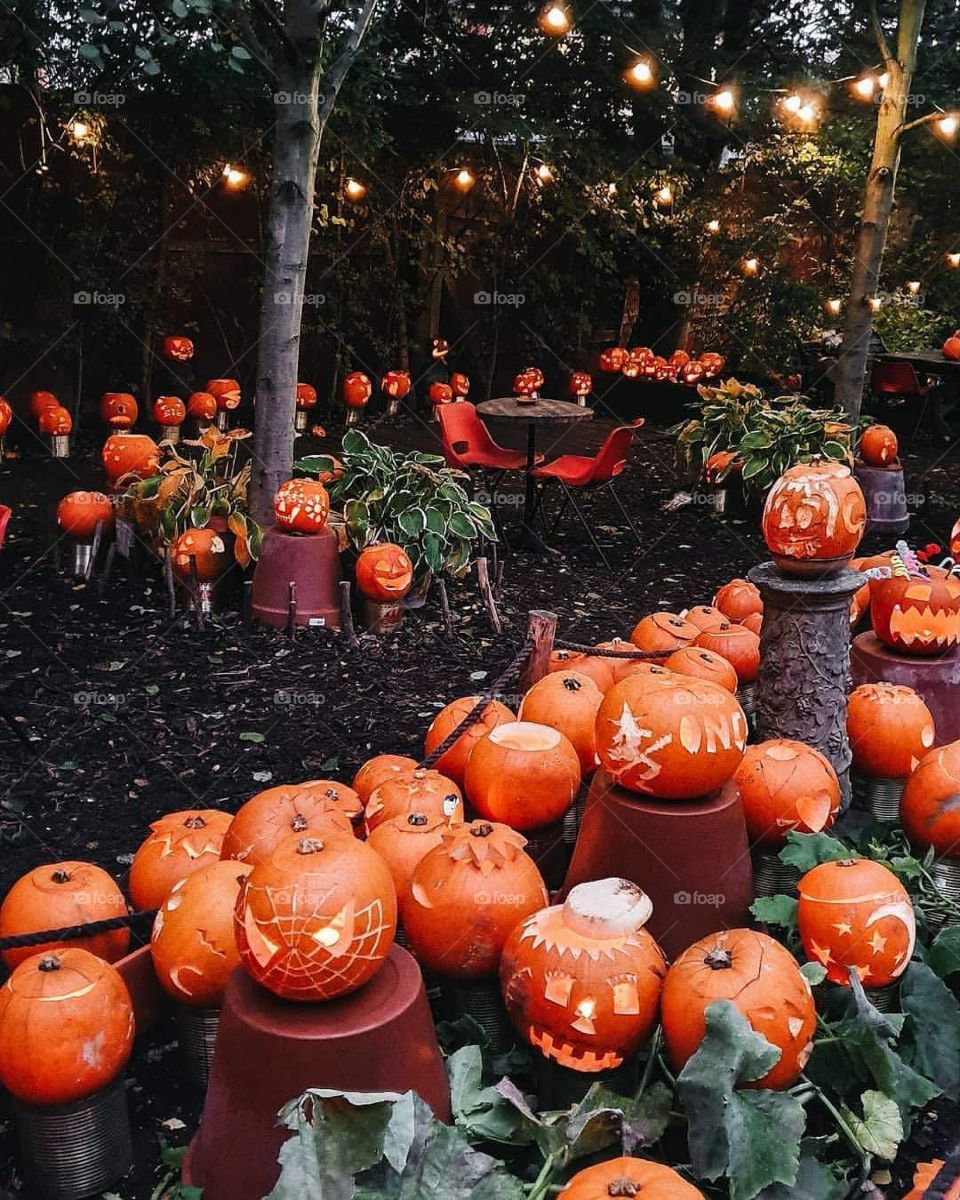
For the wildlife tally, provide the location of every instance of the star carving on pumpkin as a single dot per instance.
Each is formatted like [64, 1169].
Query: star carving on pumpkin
[877, 942]
[821, 953]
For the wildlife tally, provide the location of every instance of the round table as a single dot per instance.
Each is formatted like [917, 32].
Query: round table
[538, 412]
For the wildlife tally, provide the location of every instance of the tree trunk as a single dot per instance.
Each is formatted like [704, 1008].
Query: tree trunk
[877, 205]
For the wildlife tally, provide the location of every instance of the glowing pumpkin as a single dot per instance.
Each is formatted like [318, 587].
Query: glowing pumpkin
[629, 1177]
[453, 762]
[879, 446]
[917, 615]
[459, 384]
[6, 416]
[169, 410]
[420, 790]
[522, 774]
[663, 632]
[178, 348]
[357, 390]
[929, 811]
[55, 421]
[737, 600]
[278, 812]
[206, 549]
[739, 645]
[612, 360]
[786, 787]
[178, 845]
[202, 407]
[378, 770]
[699, 663]
[226, 392]
[301, 506]
[130, 454]
[890, 730]
[396, 384]
[384, 572]
[38, 401]
[79, 513]
[306, 396]
[118, 410]
[568, 702]
[402, 842]
[815, 514]
[440, 393]
[581, 383]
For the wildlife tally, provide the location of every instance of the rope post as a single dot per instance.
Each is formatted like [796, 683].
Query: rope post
[486, 593]
[541, 630]
[346, 615]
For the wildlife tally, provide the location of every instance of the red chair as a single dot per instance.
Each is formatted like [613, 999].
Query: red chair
[5, 515]
[580, 471]
[897, 380]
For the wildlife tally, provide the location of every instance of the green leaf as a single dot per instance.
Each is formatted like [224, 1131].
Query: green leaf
[753, 466]
[179, 9]
[482, 1113]
[412, 522]
[241, 52]
[776, 910]
[91, 53]
[931, 1041]
[835, 450]
[249, 735]
[813, 972]
[199, 517]
[880, 1130]
[944, 953]
[807, 850]
[151, 68]
[756, 441]
[814, 1182]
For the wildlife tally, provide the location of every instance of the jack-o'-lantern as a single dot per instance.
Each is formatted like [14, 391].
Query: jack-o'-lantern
[178, 348]
[56, 896]
[879, 446]
[177, 845]
[703, 616]
[861, 599]
[786, 787]
[679, 358]
[459, 384]
[193, 947]
[453, 762]
[396, 384]
[130, 454]
[6, 416]
[761, 978]
[814, 517]
[357, 389]
[620, 668]
[402, 842]
[207, 549]
[202, 407]
[700, 663]
[926, 1173]
[642, 355]
[737, 600]
[665, 372]
[629, 1177]
[890, 730]
[692, 373]
[632, 367]
[384, 573]
[929, 812]
[663, 632]
[917, 615]
[581, 383]
[528, 382]
[713, 363]
[38, 401]
[420, 790]
[226, 392]
[79, 514]
[612, 360]
[439, 349]
[306, 396]
[856, 913]
[440, 393]
[568, 702]
[119, 410]
[318, 918]
[55, 421]
[467, 896]
[652, 365]
[378, 770]
[955, 540]
[340, 796]
[66, 1027]
[266, 819]
[582, 980]
[522, 774]
[670, 736]
[601, 670]
[169, 410]
[739, 645]
[301, 506]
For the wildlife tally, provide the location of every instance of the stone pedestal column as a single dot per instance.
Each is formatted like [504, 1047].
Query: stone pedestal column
[804, 675]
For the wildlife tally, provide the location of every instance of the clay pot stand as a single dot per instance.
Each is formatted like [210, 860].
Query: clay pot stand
[935, 679]
[886, 495]
[297, 580]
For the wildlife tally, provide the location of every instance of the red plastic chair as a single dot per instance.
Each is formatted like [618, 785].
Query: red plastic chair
[897, 380]
[5, 515]
[467, 442]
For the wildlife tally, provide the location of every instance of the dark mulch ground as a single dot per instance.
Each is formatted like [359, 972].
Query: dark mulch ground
[130, 715]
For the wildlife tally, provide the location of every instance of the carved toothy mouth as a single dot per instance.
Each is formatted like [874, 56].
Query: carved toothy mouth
[919, 625]
[577, 1058]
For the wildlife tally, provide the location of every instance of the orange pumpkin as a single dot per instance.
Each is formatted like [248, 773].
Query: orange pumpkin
[209, 549]
[815, 514]
[177, 845]
[396, 384]
[420, 790]
[704, 616]
[453, 763]
[522, 774]
[581, 383]
[879, 446]
[568, 702]
[402, 842]
[928, 808]
[467, 896]
[601, 670]
[306, 396]
[663, 632]
[79, 513]
[761, 978]
[66, 1027]
[130, 454]
[619, 667]
[6, 416]
[178, 348]
[202, 407]
[55, 421]
[786, 787]
[301, 506]
[582, 980]
[754, 622]
[619, 1177]
[739, 645]
[60, 894]
[340, 796]
[384, 572]
[169, 410]
[670, 736]
[378, 770]
[193, 946]
[440, 393]
[528, 382]
[917, 615]
[612, 360]
[856, 913]
[713, 363]
[927, 1172]
[357, 389]
[955, 540]
[459, 384]
[951, 347]
[700, 663]
[38, 401]
[118, 410]
[318, 918]
[890, 730]
[226, 392]
[738, 599]
[278, 812]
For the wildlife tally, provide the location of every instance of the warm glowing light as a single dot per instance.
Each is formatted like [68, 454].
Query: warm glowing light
[664, 196]
[953, 260]
[883, 79]
[555, 20]
[79, 131]
[864, 87]
[834, 307]
[913, 286]
[751, 266]
[875, 302]
[353, 189]
[807, 113]
[724, 101]
[234, 177]
[713, 226]
[464, 179]
[947, 126]
[792, 104]
[641, 74]
[328, 936]
[586, 1008]
[544, 173]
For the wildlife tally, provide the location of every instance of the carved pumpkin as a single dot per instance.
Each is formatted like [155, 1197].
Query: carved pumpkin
[761, 978]
[79, 513]
[66, 1027]
[612, 360]
[177, 845]
[739, 645]
[396, 384]
[339, 795]
[306, 396]
[118, 410]
[890, 730]
[357, 389]
[927, 1172]
[317, 919]
[879, 446]
[522, 774]
[420, 790]
[679, 358]
[737, 599]
[169, 410]
[568, 702]
[700, 663]
[278, 812]
[815, 514]
[192, 945]
[692, 373]
[582, 980]
[439, 348]
[38, 401]
[60, 894]
[856, 913]
[663, 632]
[955, 540]
[917, 615]
[402, 842]
[226, 392]
[301, 506]
[459, 384]
[629, 1177]
[178, 348]
[209, 549]
[528, 382]
[601, 670]
[632, 367]
[704, 616]
[467, 896]
[202, 407]
[6, 416]
[130, 454]
[55, 421]
[384, 572]
[378, 770]
[670, 736]
[440, 393]
[581, 383]
[929, 811]
[713, 363]
[786, 787]
[453, 763]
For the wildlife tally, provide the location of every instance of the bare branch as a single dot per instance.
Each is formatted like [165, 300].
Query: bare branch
[885, 51]
[333, 79]
[928, 119]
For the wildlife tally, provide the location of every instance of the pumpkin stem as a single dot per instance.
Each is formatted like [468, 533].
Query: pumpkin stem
[49, 962]
[718, 959]
[309, 846]
[623, 1187]
[417, 819]
[60, 876]
[847, 862]
[572, 685]
[195, 822]
[299, 823]
[481, 829]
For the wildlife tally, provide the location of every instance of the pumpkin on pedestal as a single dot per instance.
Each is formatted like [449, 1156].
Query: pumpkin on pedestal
[396, 384]
[814, 518]
[738, 600]
[856, 913]
[402, 842]
[929, 811]
[378, 770]
[38, 401]
[568, 702]
[56, 896]
[306, 397]
[301, 506]
[522, 774]
[79, 513]
[453, 762]
[879, 446]
[272, 815]
[384, 573]
[6, 416]
[130, 454]
[663, 632]
[739, 645]
[619, 1178]
[612, 360]
[582, 980]
[178, 348]
[761, 978]
[202, 408]
[226, 392]
[169, 411]
[459, 385]
[890, 730]
[786, 787]
[601, 670]
[440, 393]
[208, 549]
[357, 390]
[419, 790]
[917, 615]
[55, 421]
[700, 663]
[177, 845]
[581, 385]
[118, 410]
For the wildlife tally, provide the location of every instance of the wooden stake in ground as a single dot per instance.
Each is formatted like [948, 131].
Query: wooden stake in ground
[445, 608]
[486, 592]
[168, 579]
[346, 614]
[541, 630]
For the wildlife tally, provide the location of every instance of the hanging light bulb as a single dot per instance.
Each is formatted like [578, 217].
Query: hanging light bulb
[641, 74]
[913, 287]
[948, 125]
[555, 20]
[79, 131]
[234, 177]
[834, 307]
[545, 174]
[724, 102]
[864, 87]
[664, 196]
[875, 302]
[953, 260]
[807, 113]
[883, 80]
[713, 226]
[354, 190]
[464, 179]
[792, 103]
[751, 266]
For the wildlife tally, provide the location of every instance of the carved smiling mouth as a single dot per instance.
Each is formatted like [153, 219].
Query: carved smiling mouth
[921, 625]
[575, 1057]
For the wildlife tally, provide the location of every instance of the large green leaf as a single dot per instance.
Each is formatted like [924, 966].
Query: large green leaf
[931, 1040]
[879, 1130]
[808, 850]
[944, 954]
[814, 1182]
[482, 1112]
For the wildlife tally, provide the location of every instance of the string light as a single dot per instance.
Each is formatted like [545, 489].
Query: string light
[713, 226]
[948, 125]
[864, 87]
[545, 174]
[724, 102]
[798, 110]
[79, 131]
[641, 74]
[354, 190]
[664, 196]
[833, 307]
[234, 177]
[913, 287]
[554, 20]
[953, 260]
[883, 80]
[464, 179]
[875, 302]
[751, 266]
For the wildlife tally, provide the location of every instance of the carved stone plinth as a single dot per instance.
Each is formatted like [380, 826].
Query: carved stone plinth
[804, 675]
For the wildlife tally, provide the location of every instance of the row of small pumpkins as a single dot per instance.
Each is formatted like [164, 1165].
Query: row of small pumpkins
[642, 363]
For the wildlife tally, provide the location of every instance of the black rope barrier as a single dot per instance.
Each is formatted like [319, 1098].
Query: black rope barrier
[945, 1178]
[598, 652]
[70, 932]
